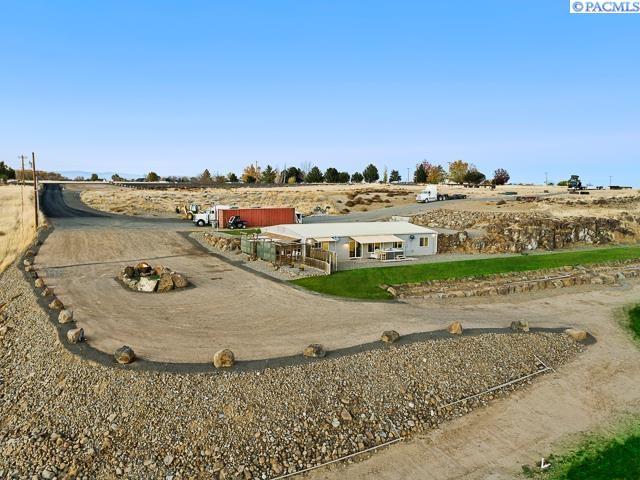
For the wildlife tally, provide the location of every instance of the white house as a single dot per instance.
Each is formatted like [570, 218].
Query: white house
[353, 240]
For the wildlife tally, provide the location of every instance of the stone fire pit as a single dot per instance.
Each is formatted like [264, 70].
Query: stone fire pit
[145, 278]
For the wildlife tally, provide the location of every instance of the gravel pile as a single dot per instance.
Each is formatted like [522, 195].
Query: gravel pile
[65, 418]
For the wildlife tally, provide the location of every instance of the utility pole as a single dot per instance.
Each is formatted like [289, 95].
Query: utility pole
[546, 178]
[609, 182]
[407, 180]
[35, 188]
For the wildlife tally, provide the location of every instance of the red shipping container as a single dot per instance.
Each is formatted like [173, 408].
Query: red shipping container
[259, 217]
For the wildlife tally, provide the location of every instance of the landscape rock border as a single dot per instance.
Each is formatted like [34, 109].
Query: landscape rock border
[85, 351]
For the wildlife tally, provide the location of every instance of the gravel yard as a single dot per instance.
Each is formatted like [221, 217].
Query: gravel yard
[63, 417]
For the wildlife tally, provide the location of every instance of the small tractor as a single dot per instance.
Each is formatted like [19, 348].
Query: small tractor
[574, 183]
[188, 210]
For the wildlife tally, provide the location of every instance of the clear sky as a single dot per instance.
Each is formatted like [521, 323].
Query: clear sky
[179, 86]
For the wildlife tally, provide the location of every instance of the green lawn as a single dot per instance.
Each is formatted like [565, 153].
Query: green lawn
[241, 231]
[364, 283]
[601, 459]
[634, 320]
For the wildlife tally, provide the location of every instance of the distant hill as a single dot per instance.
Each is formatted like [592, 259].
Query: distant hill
[71, 174]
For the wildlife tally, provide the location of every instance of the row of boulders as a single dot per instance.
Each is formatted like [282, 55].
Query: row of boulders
[223, 243]
[123, 355]
[499, 232]
[226, 359]
[145, 278]
[521, 282]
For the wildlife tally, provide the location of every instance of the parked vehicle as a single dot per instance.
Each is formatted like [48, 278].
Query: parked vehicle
[430, 194]
[188, 210]
[210, 216]
[236, 222]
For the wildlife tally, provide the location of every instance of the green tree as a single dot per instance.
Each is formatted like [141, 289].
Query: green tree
[295, 173]
[474, 176]
[6, 172]
[420, 175]
[94, 177]
[116, 178]
[394, 176]
[331, 175]
[343, 177]
[501, 177]
[268, 175]
[436, 174]
[205, 177]
[314, 176]
[232, 177]
[370, 174]
[357, 177]
[151, 177]
[458, 170]
[385, 176]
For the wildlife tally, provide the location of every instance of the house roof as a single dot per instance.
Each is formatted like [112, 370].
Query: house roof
[347, 229]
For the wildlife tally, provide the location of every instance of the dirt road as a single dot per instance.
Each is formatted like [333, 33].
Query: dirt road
[493, 443]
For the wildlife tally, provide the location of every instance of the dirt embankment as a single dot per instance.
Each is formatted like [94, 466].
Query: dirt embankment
[501, 232]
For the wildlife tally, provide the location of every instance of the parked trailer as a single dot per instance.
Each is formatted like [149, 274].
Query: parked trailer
[259, 217]
[430, 194]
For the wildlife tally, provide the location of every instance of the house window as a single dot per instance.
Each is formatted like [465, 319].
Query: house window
[424, 241]
[397, 244]
[316, 245]
[372, 247]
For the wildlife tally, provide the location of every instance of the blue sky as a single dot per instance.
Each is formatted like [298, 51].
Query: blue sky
[181, 86]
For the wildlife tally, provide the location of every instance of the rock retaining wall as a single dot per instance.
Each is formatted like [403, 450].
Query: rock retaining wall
[505, 284]
[497, 232]
[221, 243]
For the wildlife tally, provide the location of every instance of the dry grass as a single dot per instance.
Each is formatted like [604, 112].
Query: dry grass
[304, 198]
[351, 198]
[16, 222]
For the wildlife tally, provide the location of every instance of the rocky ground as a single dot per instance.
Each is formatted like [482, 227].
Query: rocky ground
[63, 417]
[500, 232]
[521, 282]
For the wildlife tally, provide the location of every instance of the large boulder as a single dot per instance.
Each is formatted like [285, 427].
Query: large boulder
[56, 304]
[389, 336]
[75, 335]
[179, 280]
[47, 292]
[315, 350]
[520, 326]
[65, 316]
[124, 355]
[143, 268]
[576, 334]
[129, 271]
[165, 283]
[39, 283]
[147, 284]
[455, 328]
[223, 359]
[160, 269]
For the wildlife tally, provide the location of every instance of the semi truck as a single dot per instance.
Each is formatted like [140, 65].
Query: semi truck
[430, 194]
[210, 216]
